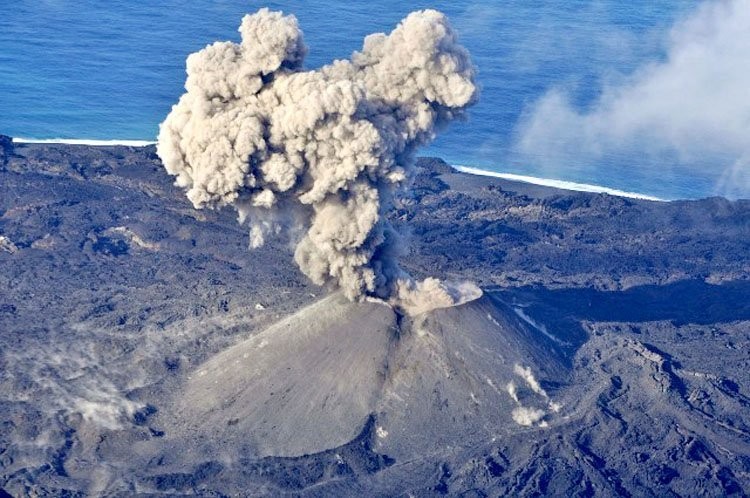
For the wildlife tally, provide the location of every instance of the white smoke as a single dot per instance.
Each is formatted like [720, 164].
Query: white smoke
[691, 110]
[417, 297]
[526, 416]
[526, 374]
[322, 151]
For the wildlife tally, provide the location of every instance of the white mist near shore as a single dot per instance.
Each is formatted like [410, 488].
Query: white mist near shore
[692, 109]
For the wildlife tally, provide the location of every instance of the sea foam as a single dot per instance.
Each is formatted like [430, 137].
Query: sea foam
[559, 184]
[83, 141]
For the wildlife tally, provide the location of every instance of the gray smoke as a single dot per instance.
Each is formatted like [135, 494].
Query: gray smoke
[318, 151]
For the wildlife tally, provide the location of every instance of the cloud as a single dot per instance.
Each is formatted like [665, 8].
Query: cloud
[318, 152]
[691, 110]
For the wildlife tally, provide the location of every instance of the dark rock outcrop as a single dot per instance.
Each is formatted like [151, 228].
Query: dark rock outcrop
[6, 149]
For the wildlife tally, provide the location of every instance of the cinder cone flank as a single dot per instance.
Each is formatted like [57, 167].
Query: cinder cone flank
[310, 382]
[306, 384]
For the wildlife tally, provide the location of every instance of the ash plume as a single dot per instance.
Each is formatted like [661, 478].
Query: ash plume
[319, 152]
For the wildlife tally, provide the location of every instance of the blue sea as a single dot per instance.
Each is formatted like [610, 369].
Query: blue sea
[97, 69]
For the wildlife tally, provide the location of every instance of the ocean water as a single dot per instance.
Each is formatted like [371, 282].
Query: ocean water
[111, 70]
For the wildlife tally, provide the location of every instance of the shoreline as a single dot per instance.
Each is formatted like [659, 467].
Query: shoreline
[558, 184]
[83, 141]
[543, 182]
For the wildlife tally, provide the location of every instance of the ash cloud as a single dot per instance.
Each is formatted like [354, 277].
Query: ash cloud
[688, 113]
[319, 153]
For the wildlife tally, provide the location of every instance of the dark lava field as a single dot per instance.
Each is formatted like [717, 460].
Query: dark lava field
[146, 351]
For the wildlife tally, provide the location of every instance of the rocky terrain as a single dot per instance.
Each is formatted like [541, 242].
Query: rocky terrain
[144, 350]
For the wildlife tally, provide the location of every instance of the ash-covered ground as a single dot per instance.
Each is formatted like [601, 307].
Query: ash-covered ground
[609, 355]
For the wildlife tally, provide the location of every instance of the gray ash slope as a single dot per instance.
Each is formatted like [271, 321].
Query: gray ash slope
[634, 316]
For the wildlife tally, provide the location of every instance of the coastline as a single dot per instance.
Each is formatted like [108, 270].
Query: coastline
[544, 182]
[558, 184]
[83, 141]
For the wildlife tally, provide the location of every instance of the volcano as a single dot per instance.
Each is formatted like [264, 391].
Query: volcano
[145, 351]
[312, 381]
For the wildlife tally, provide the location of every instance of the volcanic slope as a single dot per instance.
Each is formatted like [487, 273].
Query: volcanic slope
[303, 385]
[631, 316]
[312, 381]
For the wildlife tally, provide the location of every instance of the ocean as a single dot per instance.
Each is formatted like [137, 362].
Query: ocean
[551, 73]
